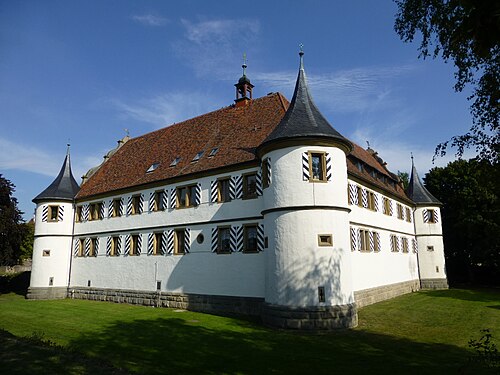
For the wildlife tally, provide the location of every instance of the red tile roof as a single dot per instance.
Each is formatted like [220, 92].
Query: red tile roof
[235, 130]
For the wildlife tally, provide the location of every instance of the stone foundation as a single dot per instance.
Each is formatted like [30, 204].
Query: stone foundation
[310, 318]
[370, 296]
[221, 305]
[47, 293]
[434, 283]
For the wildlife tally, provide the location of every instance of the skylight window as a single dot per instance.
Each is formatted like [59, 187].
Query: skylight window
[153, 167]
[198, 156]
[175, 161]
[213, 152]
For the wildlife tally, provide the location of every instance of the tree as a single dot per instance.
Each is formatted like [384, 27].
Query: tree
[10, 228]
[471, 218]
[405, 179]
[27, 233]
[467, 32]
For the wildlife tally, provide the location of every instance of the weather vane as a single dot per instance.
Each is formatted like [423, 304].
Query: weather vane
[244, 66]
[126, 131]
[301, 46]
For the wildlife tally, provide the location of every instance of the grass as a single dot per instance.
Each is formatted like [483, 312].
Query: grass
[424, 332]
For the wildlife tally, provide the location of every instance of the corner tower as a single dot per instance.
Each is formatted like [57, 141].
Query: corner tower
[429, 233]
[53, 236]
[308, 276]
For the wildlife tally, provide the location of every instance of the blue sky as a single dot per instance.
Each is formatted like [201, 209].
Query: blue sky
[85, 71]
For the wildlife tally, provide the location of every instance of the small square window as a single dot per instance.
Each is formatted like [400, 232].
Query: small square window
[325, 240]
[430, 248]
[158, 285]
[51, 281]
[46, 253]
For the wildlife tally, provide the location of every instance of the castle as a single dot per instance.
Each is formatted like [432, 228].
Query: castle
[259, 208]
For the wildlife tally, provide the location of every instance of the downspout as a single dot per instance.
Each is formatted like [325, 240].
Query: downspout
[418, 250]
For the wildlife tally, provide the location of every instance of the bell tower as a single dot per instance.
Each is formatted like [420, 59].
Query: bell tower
[243, 87]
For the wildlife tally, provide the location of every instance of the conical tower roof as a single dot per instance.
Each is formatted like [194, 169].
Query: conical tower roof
[303, 120]
[63, 188]
[417, 191]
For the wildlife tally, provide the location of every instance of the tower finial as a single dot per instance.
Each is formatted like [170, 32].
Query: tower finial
[301, 54]
[68, 146]
[244, 66]
[411, 153]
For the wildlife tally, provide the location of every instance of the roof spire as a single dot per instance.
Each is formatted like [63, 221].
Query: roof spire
[301, 54]
[417, 191]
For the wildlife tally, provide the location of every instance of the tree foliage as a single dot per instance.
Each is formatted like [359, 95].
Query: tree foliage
[469, 191]
[11, 231]
[404, 177]
[467, 32]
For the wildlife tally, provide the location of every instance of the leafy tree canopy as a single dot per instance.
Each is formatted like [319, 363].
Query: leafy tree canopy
[469, 191]
[468, 33]
[11, 232]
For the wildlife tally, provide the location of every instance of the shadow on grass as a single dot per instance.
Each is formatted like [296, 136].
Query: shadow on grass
[15, 283]
[181, 346]
[477, 295]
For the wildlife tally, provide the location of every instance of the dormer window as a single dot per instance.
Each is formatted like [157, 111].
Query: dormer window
[153, 167]
[175, 161]
[213, 152]
[197, 157]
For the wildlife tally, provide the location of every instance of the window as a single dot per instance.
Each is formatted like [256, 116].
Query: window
[386, 203]
[93, 247]
[78, 215]
[197, 156]
[158, 237]
[223, 191]
[114, 246]
[158, 201]
[360, 196]
[430, 248]
[376, 242]
[179, 241]
[175, 161]
[46, 253]
[394, 243]
[400, 211]
[136, 205]
[117, 207]
[213, 152]
[265, 173]
[250, 239]
[405, 245]
[95, 211]
[250, 186]
[317, 166]
[408, 213]
[371, 200]
[153, 167]
[186, 196]
[365, 240]
[81, 247]
[53, 213]
[134, 244]
[431, 214]
[325, 240]
[224, 240]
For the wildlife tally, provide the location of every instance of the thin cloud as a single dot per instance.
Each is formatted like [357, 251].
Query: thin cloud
[208, 45]
[165, 109]
[150, 20]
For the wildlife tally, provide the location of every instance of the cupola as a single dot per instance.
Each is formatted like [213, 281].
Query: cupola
[243, 87]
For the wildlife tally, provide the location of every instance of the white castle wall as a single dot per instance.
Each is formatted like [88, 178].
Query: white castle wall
[56, 238]
[296, 264]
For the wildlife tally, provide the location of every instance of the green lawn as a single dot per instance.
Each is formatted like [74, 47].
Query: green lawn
[425, 332]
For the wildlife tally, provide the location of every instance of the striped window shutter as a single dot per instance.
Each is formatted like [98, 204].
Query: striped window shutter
[410, 216]
[85, 212]
[215, 239]
[127, 245]
[87, 247]
[101, 210]
[236, 238]
[353, 194]
[377, 241]
[197, 200]
[139, 244]
[76, 246]
[328, 167]
[354, 239]
[392, 242]
[110, 208]
[129, 206]
[151, 202]
[399, 241]
[170, 241]
[213, 191]
[108, 246]
[60, 213]
[187, 240]
[372, 241]
[164, 199]
[269, 170]
[119, 246]
[151, 244]
[425, 215]
[236, 187]
[306, 175]
[376, 201]
[364, 198]
[45, 213]
[164, 242]
[122, 204]
[141, 203]
[258, 183]
[173, 198]
[260, 237]
[435, 214]
[391, 209]
[403, 213]
[96, 249]
[414, 245]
